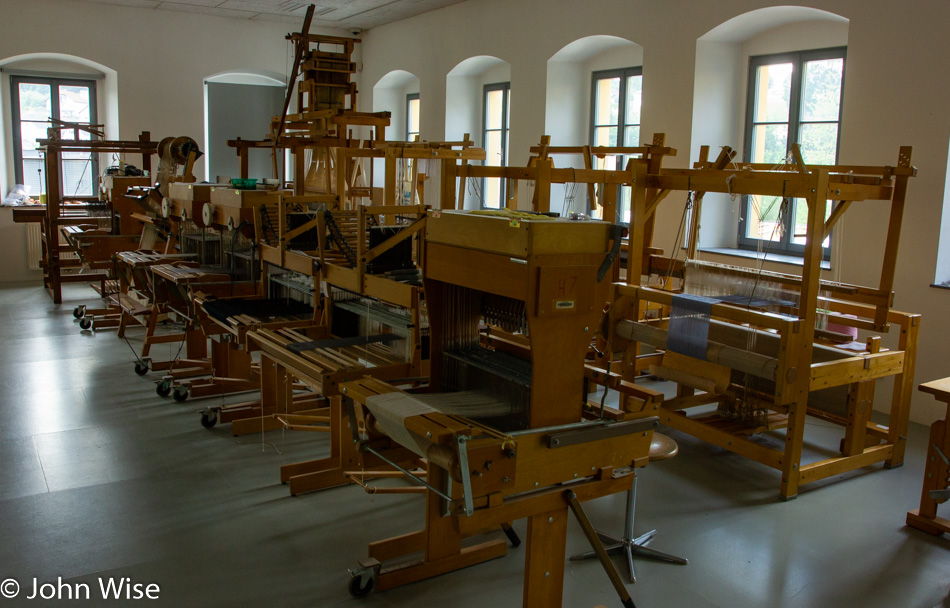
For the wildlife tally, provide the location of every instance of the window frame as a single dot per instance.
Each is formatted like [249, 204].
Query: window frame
[798, 59]
[505, 87]
[623, 74]
[54, 83]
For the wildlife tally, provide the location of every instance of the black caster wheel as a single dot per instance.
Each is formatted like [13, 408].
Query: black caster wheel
[209, 419]
[79, 311]
[141, 368]
[357, 589]
[163, 388]
[180, 394]
[85, 323]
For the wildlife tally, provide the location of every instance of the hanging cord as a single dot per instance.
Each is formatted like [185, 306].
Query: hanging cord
[474, 188]
[779, 227]
[570, 193]
[679, 231]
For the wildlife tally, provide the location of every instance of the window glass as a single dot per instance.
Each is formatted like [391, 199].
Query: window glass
[35, 101]
[634, 94]
[608, 101]
[821, 89]
[793, 98]
[615, 122]
[497, 106]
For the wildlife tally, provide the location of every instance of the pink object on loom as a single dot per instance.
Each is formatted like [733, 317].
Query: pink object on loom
[844, 329]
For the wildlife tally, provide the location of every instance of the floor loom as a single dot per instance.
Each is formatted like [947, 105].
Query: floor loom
[358, 265]
[57, 268]
[748, 339]
[218, 222]
[141, 229]
[503, 433]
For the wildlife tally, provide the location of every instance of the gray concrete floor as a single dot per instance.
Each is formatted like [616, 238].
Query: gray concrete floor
[100, 477]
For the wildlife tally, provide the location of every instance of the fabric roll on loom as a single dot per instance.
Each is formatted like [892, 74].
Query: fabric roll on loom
[391, 410]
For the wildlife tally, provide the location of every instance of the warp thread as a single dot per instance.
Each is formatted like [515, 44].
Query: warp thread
[689, 325]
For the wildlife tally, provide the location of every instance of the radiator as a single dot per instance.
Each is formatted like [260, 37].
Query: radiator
[34, 246]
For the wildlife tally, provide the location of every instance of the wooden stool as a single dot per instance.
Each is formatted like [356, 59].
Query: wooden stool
[661, 448]
[937, 472]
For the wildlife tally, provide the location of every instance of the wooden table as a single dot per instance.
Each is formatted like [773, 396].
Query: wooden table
[937, 472]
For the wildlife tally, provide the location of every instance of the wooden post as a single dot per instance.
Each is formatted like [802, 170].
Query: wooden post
[389, 183]
[542, 185]
[544, 559]
[892, 242]
[800, 357]
[903, 390]
[54, 190]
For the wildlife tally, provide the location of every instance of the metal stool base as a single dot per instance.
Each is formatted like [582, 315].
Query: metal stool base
[629, 546]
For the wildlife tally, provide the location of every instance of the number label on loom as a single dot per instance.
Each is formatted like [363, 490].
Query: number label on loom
[566, 290]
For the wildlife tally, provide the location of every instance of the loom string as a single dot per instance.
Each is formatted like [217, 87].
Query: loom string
[679, 230]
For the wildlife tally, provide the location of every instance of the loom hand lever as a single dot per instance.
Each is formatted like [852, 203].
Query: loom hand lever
[616, 235]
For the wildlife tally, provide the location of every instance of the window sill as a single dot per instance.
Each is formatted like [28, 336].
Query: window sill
[778, 258]
[941, 285]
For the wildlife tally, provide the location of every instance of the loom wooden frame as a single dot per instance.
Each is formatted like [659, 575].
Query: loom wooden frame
[865, 442]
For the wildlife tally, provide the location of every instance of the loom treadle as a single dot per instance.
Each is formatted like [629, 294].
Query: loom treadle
[722, 423]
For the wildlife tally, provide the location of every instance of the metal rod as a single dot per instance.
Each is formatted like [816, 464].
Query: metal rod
[408, 473]
[561, 427]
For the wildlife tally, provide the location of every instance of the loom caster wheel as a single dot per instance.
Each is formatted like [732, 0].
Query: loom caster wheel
[181, 393]
[85, 323]
[358, 590]
[141, 368]
[79, 311]
[163, 388]
[209, 419]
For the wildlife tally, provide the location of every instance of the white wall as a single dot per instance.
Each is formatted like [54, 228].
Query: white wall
[389, 95]
[895, 92]
[464, 95]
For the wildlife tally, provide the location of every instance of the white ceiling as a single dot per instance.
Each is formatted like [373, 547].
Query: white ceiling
[362, 14]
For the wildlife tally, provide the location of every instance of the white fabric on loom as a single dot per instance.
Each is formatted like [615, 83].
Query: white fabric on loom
[391, 411]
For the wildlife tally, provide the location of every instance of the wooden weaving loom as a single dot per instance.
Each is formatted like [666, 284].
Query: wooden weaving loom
[765, 364]
[142, 233]
[57, 269]
[365, 261]
[546, 278]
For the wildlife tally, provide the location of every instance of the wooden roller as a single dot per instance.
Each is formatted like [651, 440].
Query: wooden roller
[445, 457]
